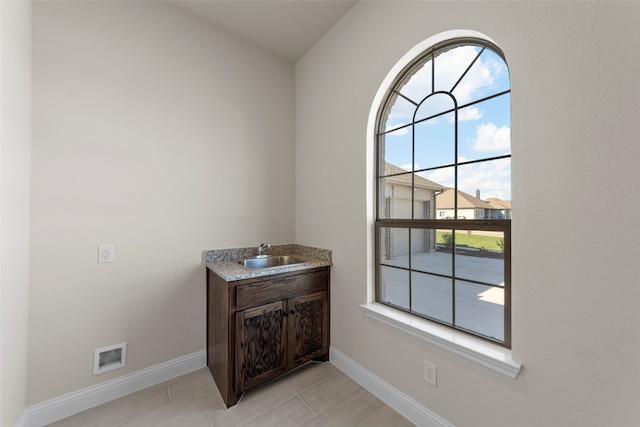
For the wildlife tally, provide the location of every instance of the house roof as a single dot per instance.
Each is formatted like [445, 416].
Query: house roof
[465, 201]
[499, 204]
[402, 176]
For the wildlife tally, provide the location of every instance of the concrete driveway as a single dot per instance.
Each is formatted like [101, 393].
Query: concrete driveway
[479, 308]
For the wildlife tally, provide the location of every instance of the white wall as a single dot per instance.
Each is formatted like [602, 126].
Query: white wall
[15, 146]
[575, 133]
[159, 134]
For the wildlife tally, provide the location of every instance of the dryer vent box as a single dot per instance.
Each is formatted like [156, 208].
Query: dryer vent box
[109, 358]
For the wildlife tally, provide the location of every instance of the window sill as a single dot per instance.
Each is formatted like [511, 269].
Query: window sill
[483, 353]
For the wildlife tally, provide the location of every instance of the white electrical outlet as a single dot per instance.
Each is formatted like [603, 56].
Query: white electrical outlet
[105, 253]
[430, 373]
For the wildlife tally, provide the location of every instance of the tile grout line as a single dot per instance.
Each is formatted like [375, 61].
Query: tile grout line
[309, 387]
[169, 393]
[299, 369]
[305, 404]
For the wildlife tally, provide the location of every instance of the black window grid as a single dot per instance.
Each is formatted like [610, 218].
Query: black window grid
[503, 226]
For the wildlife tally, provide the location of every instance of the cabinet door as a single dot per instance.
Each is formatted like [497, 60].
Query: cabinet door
[260, 344]
[308, 327]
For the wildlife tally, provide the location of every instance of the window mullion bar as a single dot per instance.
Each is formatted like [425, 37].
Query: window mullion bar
[410, 277]
[468, 224]
[453, 278]
[404, 97]
[413, 174]
[486, 98]
[486, 159]
[455, 216]
[395, 129]
[469, 162]
[444, 112]
[413, 203]
[507, 288]
[467, 70]
[433, 72]
[448, 111]
[376, 254]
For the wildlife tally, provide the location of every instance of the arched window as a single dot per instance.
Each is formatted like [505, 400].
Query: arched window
[443, 185]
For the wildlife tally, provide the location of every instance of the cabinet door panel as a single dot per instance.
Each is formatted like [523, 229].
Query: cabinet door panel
[308, 327]
[261, 336]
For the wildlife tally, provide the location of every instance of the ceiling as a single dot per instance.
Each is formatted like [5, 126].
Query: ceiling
[286, 28]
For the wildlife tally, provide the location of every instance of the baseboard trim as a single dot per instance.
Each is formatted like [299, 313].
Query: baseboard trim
[404, 404]
[72, 403]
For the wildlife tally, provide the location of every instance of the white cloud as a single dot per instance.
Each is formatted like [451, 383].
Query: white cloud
[468, 114]
[443, 177]
[419, 85]
[490, 137]
[489, 188]
[402, 131]
[493, 178]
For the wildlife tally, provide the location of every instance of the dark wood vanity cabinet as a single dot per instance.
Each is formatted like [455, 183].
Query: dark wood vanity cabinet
[258, 329]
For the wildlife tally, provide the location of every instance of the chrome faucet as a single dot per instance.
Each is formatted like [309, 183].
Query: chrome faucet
[263, 247]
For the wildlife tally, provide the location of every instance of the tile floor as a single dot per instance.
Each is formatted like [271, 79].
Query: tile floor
[317, 394]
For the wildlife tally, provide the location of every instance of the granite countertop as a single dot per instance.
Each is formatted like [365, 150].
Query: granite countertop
[224, 262]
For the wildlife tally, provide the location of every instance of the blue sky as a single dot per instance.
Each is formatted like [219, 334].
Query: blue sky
[484, 128]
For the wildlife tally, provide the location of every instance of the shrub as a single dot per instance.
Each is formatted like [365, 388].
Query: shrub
[446, 239]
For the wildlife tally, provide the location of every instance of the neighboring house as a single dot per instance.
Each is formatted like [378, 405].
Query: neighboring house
[469, 207]
[500, 209]
[399, 199]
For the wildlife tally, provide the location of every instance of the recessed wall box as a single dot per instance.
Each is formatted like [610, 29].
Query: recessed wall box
[109, 358]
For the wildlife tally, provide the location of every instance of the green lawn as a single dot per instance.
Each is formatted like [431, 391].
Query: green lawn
[473, 241]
